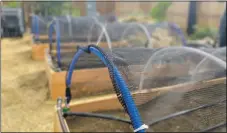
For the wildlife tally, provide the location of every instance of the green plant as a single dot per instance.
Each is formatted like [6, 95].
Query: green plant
[68, 9]
[76, 12]
[13, 4]
[159, 11]
[47, 8]
[202, 32]
[55, 8]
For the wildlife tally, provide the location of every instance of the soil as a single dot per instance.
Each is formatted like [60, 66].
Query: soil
[197, 120]
[25, 104]
[190, 122]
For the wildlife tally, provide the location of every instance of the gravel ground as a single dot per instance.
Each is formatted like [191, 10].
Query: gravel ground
[25, 104]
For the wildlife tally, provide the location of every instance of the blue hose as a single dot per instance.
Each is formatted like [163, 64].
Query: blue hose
[33, 25]
[36, 27]
[130, 105]
[58, 40]
[177, 29]
[71, 67]
[50, 34]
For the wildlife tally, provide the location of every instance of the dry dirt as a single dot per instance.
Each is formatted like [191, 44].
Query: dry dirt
[24, 96]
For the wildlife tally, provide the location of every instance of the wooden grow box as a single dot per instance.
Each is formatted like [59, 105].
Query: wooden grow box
[110, 102]
[56, 79]
[38, 48]
[96, 80]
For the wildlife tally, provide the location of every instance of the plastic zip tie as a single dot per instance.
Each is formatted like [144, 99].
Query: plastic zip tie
[142, 127]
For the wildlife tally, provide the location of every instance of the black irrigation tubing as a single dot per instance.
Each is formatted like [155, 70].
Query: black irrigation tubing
[108, 117]
[213, 128]
[183, 112]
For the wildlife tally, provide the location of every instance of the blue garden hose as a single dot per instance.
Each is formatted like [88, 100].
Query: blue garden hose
[121, 85]
[177, 29]
[33, 24]
[71, 67]
[55, 26]
[58, 40]
[50, 34]
[36, 27]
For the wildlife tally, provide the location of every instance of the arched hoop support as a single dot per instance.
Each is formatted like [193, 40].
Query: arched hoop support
[143, 28]
[54, 26]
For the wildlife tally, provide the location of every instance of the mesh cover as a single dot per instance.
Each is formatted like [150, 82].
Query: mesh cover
[164, 67]
[192, 107]
[40, 26]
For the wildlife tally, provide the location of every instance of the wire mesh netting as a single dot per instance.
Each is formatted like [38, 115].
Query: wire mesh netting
[172, 66]
[11, 22]
[9, 25]
[158, 67]
[148, 73]
[70, 32]
[40, 27]
[93, 30]
[105, 35]
[200, 110]
[220, 53]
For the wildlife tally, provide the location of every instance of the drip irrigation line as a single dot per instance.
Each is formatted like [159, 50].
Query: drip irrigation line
[108, 117]
[213, 128]
[183, 112]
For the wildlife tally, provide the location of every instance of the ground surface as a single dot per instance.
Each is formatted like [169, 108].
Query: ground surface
[24, 96]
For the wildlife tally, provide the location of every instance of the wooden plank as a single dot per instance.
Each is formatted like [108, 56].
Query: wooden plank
[57, 126]
[102, 103]
[43, 37]
[110, 102]
[86, 80]
[209, 14]
[38, 51]
[70, 45]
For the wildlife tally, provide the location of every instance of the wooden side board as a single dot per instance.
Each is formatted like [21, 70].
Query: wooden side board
[110, 102]
[86, 81]
[43, 37]
[57, 125]
[38, 51]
